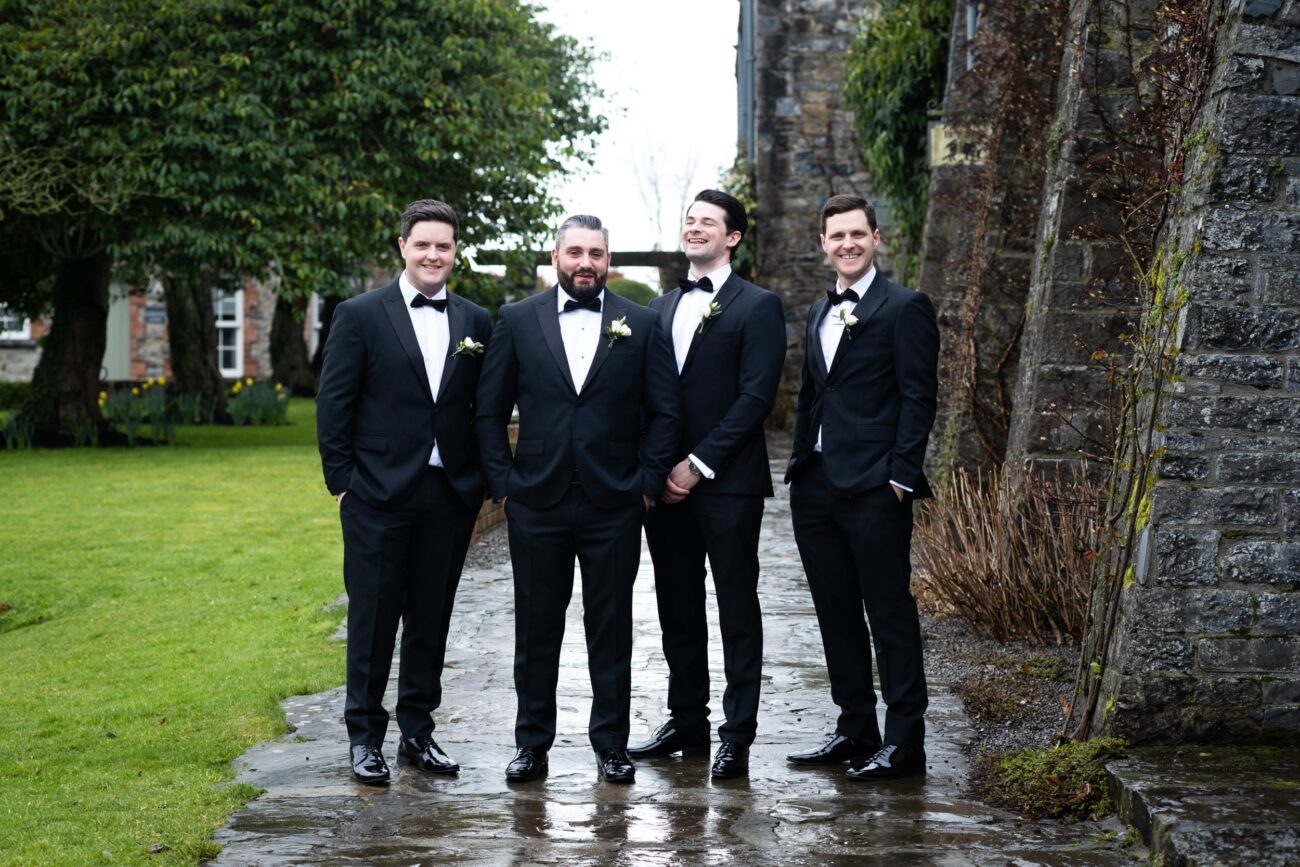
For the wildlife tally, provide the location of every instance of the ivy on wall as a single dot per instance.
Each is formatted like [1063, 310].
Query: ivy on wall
[894, 76]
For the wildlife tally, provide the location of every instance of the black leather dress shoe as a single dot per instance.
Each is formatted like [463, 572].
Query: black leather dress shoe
[614, 766]
[528, 764]
[426, 755]
[669, 739]
[368, 765]
[838, 749]
[891, 763]
[732, 760]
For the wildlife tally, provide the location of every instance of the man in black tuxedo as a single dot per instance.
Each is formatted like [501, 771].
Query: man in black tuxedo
[728, 337]
[592, 376]
[865, 409]
[395, 424]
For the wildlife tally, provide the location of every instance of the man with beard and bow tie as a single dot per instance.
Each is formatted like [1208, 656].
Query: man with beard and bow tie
[866, 405]
[728, 339]
[395, 423]
[593, 379]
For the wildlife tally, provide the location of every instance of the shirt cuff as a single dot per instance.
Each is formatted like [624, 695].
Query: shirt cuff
[708, 473]
[904, 487]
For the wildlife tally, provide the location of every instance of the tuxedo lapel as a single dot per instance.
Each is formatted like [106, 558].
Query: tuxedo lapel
[862, 311]
[724, 297]
[548, 321]
[666, 314]
[812, 339]
[608, 314]
[395, 307]
[455, 334]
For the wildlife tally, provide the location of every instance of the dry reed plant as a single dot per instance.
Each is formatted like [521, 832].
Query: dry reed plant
[1013, 559]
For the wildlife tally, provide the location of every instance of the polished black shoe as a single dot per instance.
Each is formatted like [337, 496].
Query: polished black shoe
[890, 763]
[731, 760]
[837, 750]
[528, 764]
[668, 739]
[426, 755]
[613, 765]
[368, 765]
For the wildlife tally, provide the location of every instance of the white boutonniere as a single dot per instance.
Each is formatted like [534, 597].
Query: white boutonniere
[707, 315]
[848, 320]
[469, 346]
[617, 330]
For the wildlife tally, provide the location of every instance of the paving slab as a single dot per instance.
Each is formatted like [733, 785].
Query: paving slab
[312, 812]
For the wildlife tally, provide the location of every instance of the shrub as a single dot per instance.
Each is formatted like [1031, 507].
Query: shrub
[1013, 559]
[14, 394]
[254, 402]
[632, 290]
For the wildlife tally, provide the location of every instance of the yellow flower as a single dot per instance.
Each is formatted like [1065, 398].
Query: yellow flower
[101, 403]
[135, 391]
[162, 380]
[248, 381]
[102, 395]
[279, 387]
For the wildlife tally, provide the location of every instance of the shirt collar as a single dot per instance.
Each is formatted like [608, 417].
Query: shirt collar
[409, 291]
[862, 285]
[718, 277]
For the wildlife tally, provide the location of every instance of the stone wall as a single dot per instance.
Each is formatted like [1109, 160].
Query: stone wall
[1208, 637]
[806, 151]
[982, 221]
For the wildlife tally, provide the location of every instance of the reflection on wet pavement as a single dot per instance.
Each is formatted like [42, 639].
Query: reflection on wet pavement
[313, 813]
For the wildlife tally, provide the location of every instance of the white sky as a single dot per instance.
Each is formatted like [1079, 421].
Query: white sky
[669, 76]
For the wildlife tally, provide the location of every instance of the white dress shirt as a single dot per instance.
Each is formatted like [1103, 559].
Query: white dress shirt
[580, 331]
[831, 331]
[686, 325]
[434, 336]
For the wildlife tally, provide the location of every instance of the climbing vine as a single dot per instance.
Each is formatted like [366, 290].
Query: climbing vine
[894, 77]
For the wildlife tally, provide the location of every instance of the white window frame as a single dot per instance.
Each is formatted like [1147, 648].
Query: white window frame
[236, 326]
[22, 333]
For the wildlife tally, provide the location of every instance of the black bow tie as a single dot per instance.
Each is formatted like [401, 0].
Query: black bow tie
[840, 297]
[592, 304]
[421, 300]
[704, 284]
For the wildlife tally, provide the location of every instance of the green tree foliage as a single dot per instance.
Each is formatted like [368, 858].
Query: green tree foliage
[632, 290]
[739, 182]
[207, 141]
[894, 76]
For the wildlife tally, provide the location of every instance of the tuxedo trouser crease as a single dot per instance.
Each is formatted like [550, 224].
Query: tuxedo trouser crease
[400, 565]
[724, 528]
[544, 543]
[856, 552]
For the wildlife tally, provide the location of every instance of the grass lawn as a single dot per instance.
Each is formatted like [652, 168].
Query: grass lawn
[155, 604]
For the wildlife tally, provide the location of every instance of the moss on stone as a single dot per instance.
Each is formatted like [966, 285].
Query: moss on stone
[1063, 782]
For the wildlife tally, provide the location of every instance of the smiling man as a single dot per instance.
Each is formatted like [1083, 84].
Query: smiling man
[866, 405]
[728, 339]
[592, 377]
[395, 425]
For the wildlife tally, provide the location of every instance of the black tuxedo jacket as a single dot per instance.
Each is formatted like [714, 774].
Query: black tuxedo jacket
[728, 385]
[876, 403]
[619, 433]
[376, 419]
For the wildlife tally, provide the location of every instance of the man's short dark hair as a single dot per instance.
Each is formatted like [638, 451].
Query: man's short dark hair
[581, 221]
[842, 204]
[430, 209]
[734, 219]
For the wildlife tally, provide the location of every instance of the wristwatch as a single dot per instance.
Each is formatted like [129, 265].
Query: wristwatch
[695, 470]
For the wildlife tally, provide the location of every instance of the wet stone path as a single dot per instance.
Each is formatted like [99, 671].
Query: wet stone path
[313, 813]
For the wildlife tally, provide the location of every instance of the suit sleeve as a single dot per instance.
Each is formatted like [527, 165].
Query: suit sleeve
[803, 431]
[660, 411]
[341, 379]
[916, 365]
[762, 355]
[497, 384]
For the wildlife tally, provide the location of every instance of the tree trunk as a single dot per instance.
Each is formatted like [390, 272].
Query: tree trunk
[289, 363]
[326, 316]
[63, 407]
[192, 342]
